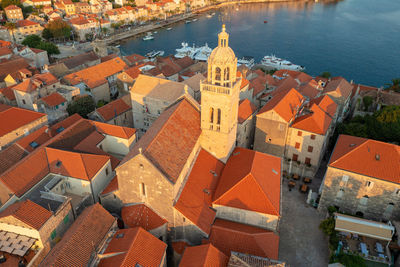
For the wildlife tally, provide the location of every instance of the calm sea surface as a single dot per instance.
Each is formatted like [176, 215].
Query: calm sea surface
[356, 39]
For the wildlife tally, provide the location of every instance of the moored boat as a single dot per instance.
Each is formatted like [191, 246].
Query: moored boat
[148, 37]
[246, 60]
[278, 63]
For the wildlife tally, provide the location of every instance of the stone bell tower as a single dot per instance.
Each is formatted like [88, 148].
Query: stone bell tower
[220, 100]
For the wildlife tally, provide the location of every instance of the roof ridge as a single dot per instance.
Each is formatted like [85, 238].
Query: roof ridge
[351, 151]
[229, 189]
[265, 194]
[84, 166]
[133, 242]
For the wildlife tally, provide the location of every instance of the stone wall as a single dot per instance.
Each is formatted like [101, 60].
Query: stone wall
[270, 135]
[381, 195]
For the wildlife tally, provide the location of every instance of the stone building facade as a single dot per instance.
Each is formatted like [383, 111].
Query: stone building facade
[362, 179]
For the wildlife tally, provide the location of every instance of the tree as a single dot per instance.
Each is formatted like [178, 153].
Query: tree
[83, 106]
[6, 3]
[395, 85]
[46, 34]
[350, 260]
[326, 74]
[32, 40]
[51, 48]
[367, 101]
[59, 28]
[328, 226]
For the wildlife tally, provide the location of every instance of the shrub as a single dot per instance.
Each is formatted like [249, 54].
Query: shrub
[328, 226]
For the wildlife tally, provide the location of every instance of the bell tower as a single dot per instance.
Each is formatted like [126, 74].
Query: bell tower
[220, 100]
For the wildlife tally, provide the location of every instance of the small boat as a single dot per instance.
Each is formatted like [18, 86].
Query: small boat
[194, 20]
[246, 60]
[209, 16]
[187, 21]
[154, 54]
[278, 63]
[169, 28]
[117, 46]
[155, 32]
[148, 37]
[212, 14]
[265, 21]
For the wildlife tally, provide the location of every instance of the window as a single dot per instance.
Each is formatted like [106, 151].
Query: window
[143, 189]
[299, 133]
[66, 219]
[297, 145]
[34, 144]
[107, 171]
[397, 192]
[307, 161]
[23, 101]
[310, 149]
[53, 234]
[211, 115]
[369, 184]
[295, 157]
[364, 200]
[217, 74]
[226, 74]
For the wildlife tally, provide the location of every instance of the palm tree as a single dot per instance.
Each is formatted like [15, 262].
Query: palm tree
[395, 85]
[11, 27]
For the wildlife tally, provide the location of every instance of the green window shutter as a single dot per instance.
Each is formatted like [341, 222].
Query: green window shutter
[53, 234]
[66, 219]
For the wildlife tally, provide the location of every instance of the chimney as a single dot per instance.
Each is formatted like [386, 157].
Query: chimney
[140, 150]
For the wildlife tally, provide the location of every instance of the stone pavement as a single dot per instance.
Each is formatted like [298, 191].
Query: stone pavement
[302, 243]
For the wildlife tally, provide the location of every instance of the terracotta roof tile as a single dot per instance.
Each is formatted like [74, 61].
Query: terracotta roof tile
[317, 121]
[339, 86]
[184, 62]
[113, 109]
[11, 66]
[246, 109]
[14, 118]
[114, 130]
[65, 123]
[134, 58]
[179, 246]
[230, 236]
[326, 104]
[10, 156]
[28, 212]
[141, 215]
[285, 104]
[81, 239]
[79, 60]
[250, 171]
[134, 71]
[194, 203]
[54, 99]
[112, 186]
[5, 51]
[135, 247]
[25, 22]
[367, 157]
[170, 139]
[8, 92]
[39, 136]
[203, 255]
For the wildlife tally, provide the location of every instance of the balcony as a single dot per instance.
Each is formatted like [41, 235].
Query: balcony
[216, 89]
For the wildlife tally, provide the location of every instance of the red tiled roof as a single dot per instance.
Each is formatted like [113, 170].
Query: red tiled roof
[250, 171]
[246, 109]
[112, 186]
[8, 92]
[77, 165]
[108, 57]
[5, 51]
[285, 104]
[25, 22]
[113, 109]
[170, 139]
[54, 99]
[12, 66]
[230, 236]
[141, 215]
[134, 58]
[114, 130]
[14, 118]
[39, 137]
[96, 75]
[10, 156]
[326, 104]
[315, 122]
[367, 157]
[65, 123]
[203, 255]
[11, 7]
[309, 89]
[81, 240]
[285, 84]
[134, 71]
[5, 43]
[194, 203]
[340, 86]
[184, 62]
[136, 247]
[28, 212]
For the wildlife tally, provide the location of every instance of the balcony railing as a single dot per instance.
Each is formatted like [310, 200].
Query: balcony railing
[216, 89]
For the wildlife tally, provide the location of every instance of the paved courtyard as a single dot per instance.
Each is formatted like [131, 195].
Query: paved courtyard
[302, 243]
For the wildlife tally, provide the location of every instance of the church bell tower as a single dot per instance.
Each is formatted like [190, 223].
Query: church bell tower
[220, 100]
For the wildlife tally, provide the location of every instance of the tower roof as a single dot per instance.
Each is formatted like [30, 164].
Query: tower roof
[222, 53]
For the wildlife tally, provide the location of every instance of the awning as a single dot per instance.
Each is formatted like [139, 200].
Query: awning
[363, 227]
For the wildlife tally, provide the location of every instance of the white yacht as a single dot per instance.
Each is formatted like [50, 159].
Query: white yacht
[246, 60]
[169, 28]
[203, 53]
[194, 20]
[278, 63]
[148, 37]
[185, 50]
[209, 16]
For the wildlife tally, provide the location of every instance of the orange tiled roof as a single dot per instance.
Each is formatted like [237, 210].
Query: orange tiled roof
[5, 51]
[194, 203]
[112, 186]
[134, 71]
[367, 157]
[96, 75]
[14, 118]
[309, 89]
[285, 104]
[27, 212]
[134, 58]
[114, 130]
[113, 109]
[76, 165]
[250, 171]
[8, 92]
[340, 86]
[25, 22]
[246, 109]
[326, 104]
[230, 236]
[141, 215]
[39, 136]
[179, 246]
[203, 255]
[134, 247]
[10, 156]
[315, 122]
[82, 238]
[170, 139]
[65, 123]
[54, 99]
